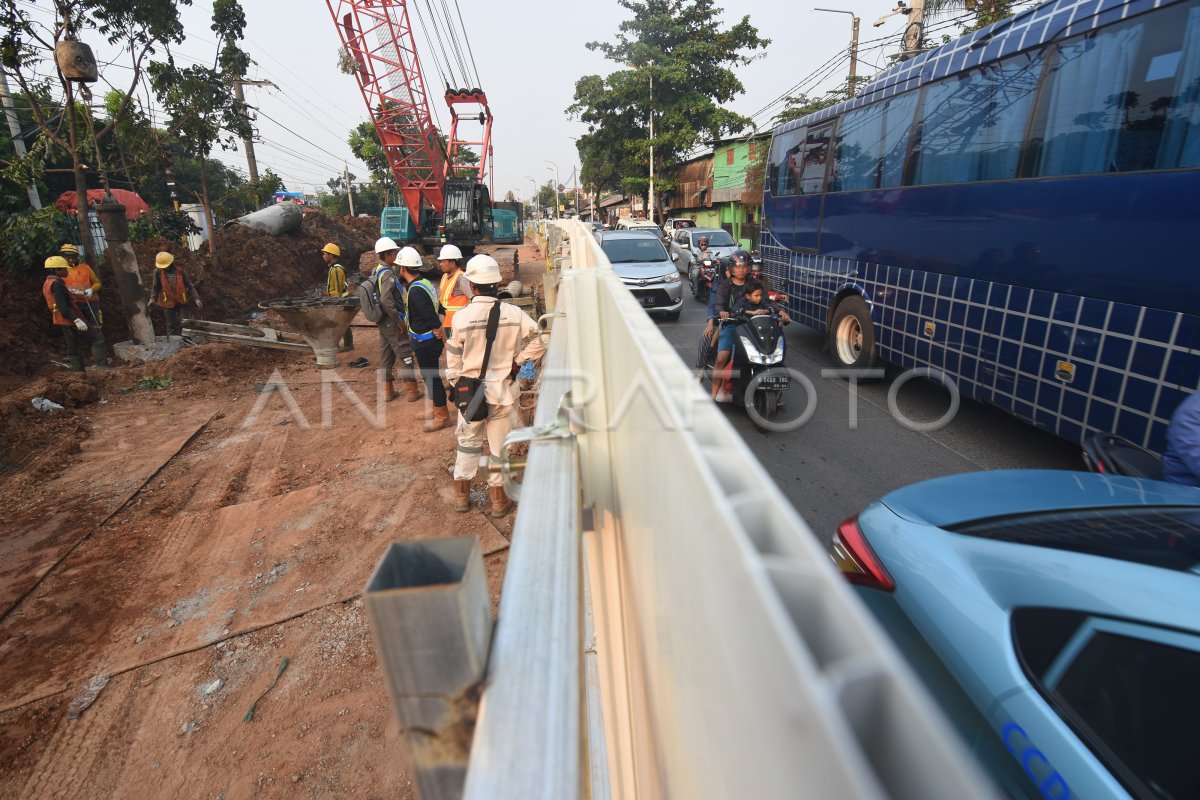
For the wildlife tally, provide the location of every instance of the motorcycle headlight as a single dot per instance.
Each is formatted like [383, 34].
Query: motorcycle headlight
[672, 278]
[755, 357]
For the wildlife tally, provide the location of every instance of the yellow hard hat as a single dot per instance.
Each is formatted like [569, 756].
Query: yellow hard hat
[69, 249]
[164, 260]
[332, 249]
[57, 262]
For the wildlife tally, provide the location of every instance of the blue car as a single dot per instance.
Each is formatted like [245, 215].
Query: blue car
[1055, 617]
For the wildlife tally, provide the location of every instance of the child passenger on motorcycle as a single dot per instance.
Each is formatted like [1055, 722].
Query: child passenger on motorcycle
[752, 303]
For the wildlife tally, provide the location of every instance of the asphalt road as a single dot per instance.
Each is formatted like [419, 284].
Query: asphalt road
[831, 470]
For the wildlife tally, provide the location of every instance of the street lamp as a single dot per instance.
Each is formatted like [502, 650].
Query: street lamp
[853, 46]
[536, 195]
[556, 203]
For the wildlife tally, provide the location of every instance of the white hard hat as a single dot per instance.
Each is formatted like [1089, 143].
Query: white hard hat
[384, 244]
[483, 269]
[449, 253]
[410, 258]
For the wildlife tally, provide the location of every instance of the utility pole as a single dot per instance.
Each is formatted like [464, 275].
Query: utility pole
[914, 32]
[651, 64]
[248, 142]
[853, 46]
[349, 188]
[14, 127]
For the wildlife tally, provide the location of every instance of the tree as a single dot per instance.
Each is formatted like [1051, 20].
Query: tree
[683, 47]
[202, 109]
[137, 26]
[801, 105]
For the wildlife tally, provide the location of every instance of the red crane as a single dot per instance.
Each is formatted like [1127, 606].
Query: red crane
[379, 37]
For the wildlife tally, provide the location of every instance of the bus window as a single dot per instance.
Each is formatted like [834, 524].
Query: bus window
[812, 165]
[1181, 133]
[897, 129]
[857, 154]
[1113, 97]
[785, 159]
[973, 124]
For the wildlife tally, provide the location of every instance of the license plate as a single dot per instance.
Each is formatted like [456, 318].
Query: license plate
[648, 302]
[774, 382]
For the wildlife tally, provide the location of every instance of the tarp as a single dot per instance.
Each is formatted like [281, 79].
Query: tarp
[135, 206]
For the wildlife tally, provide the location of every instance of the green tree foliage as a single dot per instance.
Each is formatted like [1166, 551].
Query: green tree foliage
[28, 237]
[801, 105]
[691, 55]
[162, 224]
[202, 110]
[27, 47]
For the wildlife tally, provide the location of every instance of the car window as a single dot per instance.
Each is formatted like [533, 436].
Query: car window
[1160, 536]
[720, 239]
[642, 249]
[1128, 690]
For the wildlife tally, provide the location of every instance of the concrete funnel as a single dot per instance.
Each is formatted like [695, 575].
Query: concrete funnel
[321, 322]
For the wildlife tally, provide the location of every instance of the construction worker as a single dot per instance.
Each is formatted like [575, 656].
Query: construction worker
[515, 341]
[84, 286]
[454, 291]
[65, 314]
[336, 286]
[393, 331]
[425, 331]
[172, 290]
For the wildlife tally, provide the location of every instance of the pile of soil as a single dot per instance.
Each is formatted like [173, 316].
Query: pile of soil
[368, 226]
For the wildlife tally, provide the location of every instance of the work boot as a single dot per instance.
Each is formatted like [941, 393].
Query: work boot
[75, 363]
[462, 495]
[501, 505]
[389, 391]
[440, 419]
[412, 391]
[99, 356]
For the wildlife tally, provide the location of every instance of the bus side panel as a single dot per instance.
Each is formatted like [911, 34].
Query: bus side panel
[1021, 292]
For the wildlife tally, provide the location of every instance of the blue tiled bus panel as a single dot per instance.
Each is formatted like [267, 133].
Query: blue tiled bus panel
[1003, 344]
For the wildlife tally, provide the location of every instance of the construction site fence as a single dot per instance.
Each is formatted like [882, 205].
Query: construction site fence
[669, 626]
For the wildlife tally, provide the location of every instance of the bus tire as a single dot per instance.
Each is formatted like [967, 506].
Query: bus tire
[852, 335]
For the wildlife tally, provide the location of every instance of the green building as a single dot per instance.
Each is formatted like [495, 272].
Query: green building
[720, 190]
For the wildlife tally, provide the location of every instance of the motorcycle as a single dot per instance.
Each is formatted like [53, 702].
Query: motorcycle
[702, 279]
[1110, 454]
[756, 367]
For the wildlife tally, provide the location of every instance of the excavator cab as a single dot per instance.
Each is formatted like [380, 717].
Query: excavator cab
[467, 212]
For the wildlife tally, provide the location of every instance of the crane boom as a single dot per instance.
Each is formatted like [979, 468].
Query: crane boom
[378, 36]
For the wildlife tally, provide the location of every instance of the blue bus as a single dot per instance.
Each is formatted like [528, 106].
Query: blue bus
[1018, 209]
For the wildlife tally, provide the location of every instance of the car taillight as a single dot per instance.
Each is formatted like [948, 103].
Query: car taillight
[855, 559]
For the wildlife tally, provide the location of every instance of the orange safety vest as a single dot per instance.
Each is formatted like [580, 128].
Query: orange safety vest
[447, 291]
[171, 296]
[82, 277]
[55, 315]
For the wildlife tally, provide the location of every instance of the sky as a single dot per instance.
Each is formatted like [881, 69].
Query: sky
[528, 53]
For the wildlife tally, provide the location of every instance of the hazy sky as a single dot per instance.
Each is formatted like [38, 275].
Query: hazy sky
[529, 55]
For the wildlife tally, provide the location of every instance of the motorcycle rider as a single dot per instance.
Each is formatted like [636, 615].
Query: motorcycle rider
[725, 294]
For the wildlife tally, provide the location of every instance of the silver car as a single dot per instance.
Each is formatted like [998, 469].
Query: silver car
[642, 264]
[685, 246]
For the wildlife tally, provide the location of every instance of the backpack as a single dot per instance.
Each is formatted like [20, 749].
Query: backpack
[368, 300]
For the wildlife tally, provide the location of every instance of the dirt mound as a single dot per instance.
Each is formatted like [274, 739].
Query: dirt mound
[368, 226]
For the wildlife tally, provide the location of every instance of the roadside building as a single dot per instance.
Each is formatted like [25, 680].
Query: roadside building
[723, 188]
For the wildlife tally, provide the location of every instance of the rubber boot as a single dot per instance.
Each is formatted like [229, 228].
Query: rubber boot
[501, 505]
[462, 495]
[412, 390]
[389, 391]
[440, 419]
[99, 356]
[76, 363]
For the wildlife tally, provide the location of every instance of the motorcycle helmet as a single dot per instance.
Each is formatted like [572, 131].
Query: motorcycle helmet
[739, 257]
[702, 241]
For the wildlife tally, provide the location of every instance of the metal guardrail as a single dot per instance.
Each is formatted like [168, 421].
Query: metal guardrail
[732, 661]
